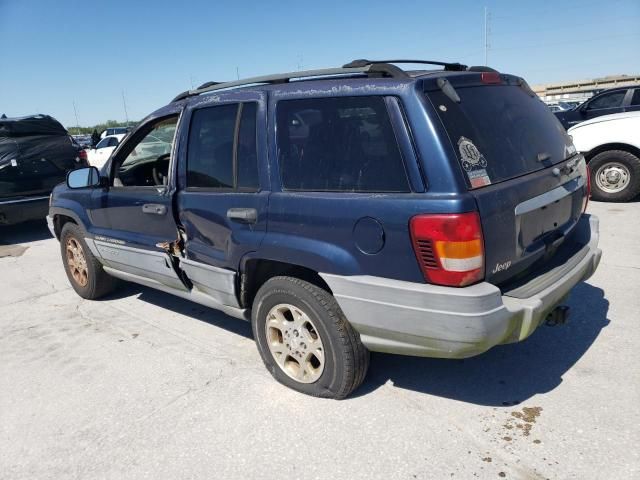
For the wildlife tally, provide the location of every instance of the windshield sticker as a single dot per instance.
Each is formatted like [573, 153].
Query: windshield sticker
[473, 163]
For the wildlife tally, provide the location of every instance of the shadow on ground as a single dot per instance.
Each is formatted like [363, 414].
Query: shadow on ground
[182, 307]
[24, 232]
[507, 374]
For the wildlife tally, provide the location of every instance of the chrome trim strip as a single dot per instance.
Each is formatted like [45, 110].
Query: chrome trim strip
[550, 196]
[24, 200]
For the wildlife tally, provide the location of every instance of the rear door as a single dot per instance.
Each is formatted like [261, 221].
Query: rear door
[519, 164]
[604, 104]
[222, 202]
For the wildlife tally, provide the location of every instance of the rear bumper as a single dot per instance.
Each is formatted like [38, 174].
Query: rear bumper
[23, 209]
[429, 320]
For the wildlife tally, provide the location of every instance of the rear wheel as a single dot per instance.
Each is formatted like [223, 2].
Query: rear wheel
[84, 271]
[615, 176]
[305, 340]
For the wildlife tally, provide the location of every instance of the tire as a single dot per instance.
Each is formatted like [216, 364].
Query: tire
[84, 271]
[342, 363]
[624, 167]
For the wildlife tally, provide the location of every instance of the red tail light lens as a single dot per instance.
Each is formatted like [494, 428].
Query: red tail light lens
[83, 155]
[449, 248]
[585, 201]
[490, 77]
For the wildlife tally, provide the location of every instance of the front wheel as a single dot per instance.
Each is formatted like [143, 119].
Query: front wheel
[83, 269]
[615, 176]
[305, 340]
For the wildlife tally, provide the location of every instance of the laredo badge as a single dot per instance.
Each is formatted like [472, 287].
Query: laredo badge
[473, 163]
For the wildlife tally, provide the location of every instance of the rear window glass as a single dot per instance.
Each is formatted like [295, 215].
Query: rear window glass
[501, 132]
[339, 144]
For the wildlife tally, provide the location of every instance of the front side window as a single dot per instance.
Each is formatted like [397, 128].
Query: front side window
[635, 100]
[339, 144]
[608, 100]
[103, 143]
[222, 151]
[147, 164]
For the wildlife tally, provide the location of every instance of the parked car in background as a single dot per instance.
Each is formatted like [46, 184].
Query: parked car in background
[83, 140]
[342, 211]
[36, 152]
[614, 100]
[99, 155]
[611, 145]
[114, 131]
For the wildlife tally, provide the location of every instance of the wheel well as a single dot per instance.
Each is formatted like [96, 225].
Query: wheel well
[59, 221]
[612, 146]
[257, 272]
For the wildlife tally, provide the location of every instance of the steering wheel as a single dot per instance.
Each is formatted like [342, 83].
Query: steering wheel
[160, 169]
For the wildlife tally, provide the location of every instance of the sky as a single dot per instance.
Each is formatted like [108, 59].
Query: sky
[59, 53]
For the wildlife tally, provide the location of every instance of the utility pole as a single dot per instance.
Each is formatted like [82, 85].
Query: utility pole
[126, 115]
[76, 112]
[487, 18]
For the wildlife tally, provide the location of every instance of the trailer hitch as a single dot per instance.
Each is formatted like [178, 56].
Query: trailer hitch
[558, 316]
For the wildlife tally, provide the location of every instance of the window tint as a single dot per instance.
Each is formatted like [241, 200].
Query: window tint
[635, 100]
[210, 150]
[339, 144]
[247, 152]
[608, 100]
[113, 142]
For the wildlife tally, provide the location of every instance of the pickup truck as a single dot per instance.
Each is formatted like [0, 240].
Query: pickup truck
[347, 210]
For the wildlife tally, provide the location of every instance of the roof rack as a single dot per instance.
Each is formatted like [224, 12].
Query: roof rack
[365, 67]
[453, 66]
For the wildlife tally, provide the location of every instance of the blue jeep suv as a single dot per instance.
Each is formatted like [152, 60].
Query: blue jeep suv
[435, 212]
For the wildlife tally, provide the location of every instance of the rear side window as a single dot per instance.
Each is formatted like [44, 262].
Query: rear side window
[210, 150]
[222, 153]
[339, 144]
[608, 100]
[500, 132]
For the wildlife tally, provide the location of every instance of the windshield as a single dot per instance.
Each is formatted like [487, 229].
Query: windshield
[501, 132]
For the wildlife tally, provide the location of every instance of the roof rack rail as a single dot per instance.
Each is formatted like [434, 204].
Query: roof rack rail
[380, 69]
[453, 66]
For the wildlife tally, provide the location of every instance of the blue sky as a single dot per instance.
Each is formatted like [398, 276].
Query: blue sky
[55, 53]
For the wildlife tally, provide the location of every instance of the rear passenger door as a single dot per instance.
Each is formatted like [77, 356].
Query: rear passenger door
[605, 104]
[221, 202]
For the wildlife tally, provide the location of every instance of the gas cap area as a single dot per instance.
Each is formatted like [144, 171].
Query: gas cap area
[368, 235]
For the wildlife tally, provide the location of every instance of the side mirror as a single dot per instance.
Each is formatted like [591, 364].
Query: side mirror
[83, 178]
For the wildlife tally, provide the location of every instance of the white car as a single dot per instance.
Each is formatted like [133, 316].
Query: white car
[611, 145]
[98, 156]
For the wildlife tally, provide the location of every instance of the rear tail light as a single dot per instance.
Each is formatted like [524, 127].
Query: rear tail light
[449, 248]
[83, 155]
[585, 200]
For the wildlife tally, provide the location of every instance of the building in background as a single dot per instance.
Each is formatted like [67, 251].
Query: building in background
[582, 89]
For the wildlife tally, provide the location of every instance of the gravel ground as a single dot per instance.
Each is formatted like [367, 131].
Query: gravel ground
[145, 385]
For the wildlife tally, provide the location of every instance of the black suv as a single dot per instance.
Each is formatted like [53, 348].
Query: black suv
[615, 100]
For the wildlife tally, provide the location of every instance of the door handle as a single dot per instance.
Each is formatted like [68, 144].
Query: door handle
[154, 208]
[243, 215]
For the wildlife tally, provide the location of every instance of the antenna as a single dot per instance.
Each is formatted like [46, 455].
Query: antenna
[76, 112]
[487, 31]
[237, 73]
[124, 102]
